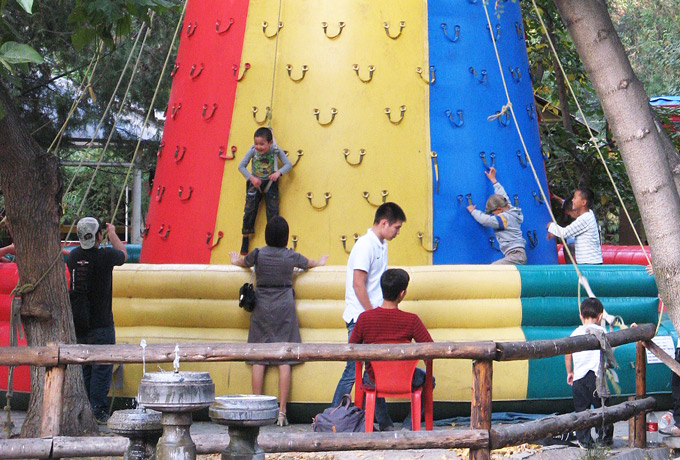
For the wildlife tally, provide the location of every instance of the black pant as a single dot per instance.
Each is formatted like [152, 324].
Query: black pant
[584, 397]
[253, 198]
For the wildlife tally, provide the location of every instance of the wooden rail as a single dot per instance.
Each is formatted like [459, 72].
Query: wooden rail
[60, 355]
[480, 438]
[496, 437]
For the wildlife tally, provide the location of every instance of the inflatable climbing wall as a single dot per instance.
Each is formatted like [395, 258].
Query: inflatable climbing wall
[373, 100]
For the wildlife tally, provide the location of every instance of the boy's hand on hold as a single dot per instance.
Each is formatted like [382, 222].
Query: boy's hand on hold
[649, 269]
[256, 181]
[110, 228]
[323, 259]
[471, 208]
[275, 176]
[491, 174]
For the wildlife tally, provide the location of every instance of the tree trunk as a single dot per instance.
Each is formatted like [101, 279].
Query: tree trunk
[643, 147]
[30, 182]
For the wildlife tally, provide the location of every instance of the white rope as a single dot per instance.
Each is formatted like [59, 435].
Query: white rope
[276, 49]
[111, 132]
[85, 84]
[153, 100]
[106, 110]
[583, 281]
[592, 139]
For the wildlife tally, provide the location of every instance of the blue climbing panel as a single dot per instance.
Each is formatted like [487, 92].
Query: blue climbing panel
[469, 89]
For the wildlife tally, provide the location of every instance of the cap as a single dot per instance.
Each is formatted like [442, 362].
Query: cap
[87, 232]
[495, 201]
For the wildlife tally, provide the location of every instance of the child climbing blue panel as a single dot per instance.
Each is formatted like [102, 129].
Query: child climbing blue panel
[468, 90]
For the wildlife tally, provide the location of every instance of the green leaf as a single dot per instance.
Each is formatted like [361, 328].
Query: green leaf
[83, 37]
[19, 53]
[27, 5]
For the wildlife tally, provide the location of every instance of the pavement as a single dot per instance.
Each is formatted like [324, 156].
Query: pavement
[668, 448]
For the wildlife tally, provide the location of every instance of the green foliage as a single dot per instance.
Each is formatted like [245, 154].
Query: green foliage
[18, 53]
[106, 19]
[573, 159]
[650, 32]
[653, 44]
[46, 91]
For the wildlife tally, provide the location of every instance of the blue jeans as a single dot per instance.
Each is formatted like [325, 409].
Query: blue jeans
[98, 377]
[347, 379]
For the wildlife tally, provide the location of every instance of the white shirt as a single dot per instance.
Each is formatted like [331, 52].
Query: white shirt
[584, 230]
[588, 360]
[369, 254]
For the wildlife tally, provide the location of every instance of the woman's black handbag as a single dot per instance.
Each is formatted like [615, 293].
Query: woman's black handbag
[246, 297]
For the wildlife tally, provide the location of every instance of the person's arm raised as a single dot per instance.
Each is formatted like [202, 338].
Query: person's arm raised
[115, 241]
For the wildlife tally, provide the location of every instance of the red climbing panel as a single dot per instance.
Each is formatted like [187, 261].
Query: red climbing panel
[186, 187]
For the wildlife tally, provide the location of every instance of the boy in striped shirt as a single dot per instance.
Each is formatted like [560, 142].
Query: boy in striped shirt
[388, 324]
[584, 229]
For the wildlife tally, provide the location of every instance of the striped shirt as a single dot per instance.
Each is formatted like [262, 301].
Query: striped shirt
[388, 325]
[584, 229]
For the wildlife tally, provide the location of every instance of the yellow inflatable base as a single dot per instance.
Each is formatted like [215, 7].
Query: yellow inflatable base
[197, 303]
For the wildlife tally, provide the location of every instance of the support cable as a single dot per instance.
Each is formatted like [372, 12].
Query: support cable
[106, 110]
[150, 111]
[85, 84]
[582, 280]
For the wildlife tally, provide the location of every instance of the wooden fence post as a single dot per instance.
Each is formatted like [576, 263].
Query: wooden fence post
[480, 411]
[53, 401]
[640, 390]
[631, 426]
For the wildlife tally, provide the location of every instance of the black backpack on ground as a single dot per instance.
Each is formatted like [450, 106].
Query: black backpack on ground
[346, 418]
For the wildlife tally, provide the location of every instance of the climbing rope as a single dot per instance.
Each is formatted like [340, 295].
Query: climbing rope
[595, 143]
[84, 85]
[150, 111]
[276, 53]
[592, 139]
[111, 132]
[106, 110]
[582, 280]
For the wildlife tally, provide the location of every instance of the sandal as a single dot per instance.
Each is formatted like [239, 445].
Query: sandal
[282, 420]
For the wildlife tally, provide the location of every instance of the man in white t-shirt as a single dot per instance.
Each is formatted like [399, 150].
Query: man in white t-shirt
[582, 370]
[366, 264]
[584, 229]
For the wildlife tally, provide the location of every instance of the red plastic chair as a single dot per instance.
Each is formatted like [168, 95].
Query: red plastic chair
[393, 380]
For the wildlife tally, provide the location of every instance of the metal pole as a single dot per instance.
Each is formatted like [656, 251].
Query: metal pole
[135, 231]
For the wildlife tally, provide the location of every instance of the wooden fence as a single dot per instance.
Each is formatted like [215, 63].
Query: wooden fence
[481, 438]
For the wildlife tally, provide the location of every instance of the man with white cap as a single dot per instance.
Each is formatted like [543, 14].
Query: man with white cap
[91, 269]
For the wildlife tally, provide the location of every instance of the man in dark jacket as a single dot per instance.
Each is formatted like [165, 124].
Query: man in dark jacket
[91, 269]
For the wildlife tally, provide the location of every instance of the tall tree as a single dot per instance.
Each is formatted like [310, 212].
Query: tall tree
[32, 188]
[643, 144]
